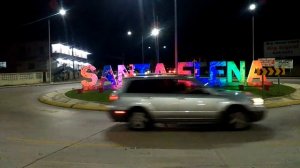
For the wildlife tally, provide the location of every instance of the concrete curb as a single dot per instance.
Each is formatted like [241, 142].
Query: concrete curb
[58, 98]
[282, 104]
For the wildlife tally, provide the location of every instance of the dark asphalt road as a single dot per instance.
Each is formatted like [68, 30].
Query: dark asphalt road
[34, 134]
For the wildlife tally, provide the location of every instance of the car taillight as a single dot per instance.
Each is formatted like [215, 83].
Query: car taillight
[113, 97]
[120, 112]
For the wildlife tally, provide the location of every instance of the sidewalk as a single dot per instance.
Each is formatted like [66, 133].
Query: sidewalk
[58, 98]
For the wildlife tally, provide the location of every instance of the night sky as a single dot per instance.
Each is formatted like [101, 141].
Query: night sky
[207, 29]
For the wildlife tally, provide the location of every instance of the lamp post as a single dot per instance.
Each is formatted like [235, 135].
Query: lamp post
[252, 8]
[61, 12]
[74, 76]
[175, 37]
[155, 33]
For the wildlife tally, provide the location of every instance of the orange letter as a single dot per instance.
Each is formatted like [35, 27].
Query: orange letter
[256, 64]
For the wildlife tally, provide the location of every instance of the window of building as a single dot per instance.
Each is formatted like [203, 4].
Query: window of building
[2, 65]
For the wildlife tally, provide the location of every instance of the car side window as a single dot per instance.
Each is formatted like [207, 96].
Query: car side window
[198, 90]
[189, 87]
[138, 86]
[166, 86]
[149, 86]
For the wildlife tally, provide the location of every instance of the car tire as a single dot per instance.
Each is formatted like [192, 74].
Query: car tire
[139, 121]
[237, 120]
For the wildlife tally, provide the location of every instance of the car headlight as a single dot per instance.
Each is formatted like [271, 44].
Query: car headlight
[257, 101]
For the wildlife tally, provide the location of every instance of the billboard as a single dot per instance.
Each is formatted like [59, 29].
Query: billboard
[287, 48]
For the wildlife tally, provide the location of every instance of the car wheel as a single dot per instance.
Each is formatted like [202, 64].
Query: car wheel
[237, 120]
[139, 121]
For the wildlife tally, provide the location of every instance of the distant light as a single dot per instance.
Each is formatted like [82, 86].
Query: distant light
[155, 32]
[149, 47]
[62, 12]
[129, 33]
[164, 47]
[252, 7]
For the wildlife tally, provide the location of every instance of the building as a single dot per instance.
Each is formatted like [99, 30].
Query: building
[66, 61]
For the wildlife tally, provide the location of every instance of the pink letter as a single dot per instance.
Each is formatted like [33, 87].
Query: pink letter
[160, 68]
[182, 65]
[85, 84]
[122, 71]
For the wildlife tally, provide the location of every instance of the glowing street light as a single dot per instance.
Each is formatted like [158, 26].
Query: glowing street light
[62, 12]
[252, 8]
[155, 32]
[129, 33]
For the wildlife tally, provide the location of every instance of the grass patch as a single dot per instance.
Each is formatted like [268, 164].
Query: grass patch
[90, 95]
[274, 91]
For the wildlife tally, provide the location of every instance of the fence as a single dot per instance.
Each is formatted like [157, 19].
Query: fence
[21, 78]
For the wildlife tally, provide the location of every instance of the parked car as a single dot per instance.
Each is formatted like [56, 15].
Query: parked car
[143, 101]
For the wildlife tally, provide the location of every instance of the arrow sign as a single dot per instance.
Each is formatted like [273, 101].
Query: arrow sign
[280, 71]
[270, 71]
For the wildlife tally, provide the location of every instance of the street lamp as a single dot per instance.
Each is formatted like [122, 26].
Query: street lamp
[155, 32]
[129, 33]
[61, 12]
[175, 37]
[252, 8]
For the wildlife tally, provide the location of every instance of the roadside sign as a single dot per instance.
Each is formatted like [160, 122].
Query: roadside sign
[267, 62]
[270, 71]
[285, 63]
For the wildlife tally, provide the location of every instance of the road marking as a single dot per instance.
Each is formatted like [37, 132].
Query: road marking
[50, 142]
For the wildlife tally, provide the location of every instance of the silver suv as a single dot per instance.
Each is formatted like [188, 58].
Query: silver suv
[143, 101]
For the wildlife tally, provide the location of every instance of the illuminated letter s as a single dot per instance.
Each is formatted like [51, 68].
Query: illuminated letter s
[86, 85]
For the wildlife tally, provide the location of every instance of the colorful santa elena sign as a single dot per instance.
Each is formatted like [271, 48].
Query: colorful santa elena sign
[221, 73]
